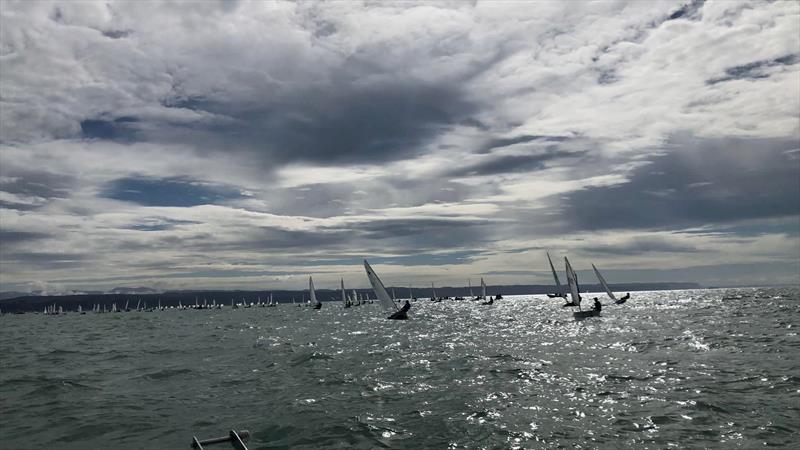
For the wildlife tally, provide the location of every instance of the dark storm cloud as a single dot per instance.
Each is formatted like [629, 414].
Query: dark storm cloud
[35, 183]
[158, 224]
[689, 11]
[512, 163]
[755, 69]
[116, 34]
[418, 259]
[45, 260]
[32, 189]
[638, 246]
[697, 183]
[119, 129]
[168, 192]
[412, 236]
[505, 142]
[13, 236]
[335, 124]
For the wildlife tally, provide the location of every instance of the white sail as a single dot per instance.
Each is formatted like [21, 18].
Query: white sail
[559, 289]
[603, 283]
[572, 280]
[483, 289]
[312, 295]
[344, 294]
[434, 291]
[469, 282]
[380, 291]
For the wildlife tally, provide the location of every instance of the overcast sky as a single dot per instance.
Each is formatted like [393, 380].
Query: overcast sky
[237, 144]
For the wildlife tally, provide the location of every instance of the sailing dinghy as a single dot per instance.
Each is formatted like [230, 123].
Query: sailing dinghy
[483, 294]
[383, 296]
[312, 301]
[608, 290]
[572, 281]
[559, 289]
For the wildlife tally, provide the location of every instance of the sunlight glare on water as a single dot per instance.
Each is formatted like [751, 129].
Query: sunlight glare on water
[701, 368]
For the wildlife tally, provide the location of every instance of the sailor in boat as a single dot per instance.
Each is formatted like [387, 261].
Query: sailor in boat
[401, 314]
[624, 298]
[488, 302]
[597, 305]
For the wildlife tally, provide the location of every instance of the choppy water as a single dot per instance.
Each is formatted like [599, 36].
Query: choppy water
[703, 368]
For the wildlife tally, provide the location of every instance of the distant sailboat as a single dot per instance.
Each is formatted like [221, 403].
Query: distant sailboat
[574, 290]
[345, 301]
[434, 298]
[383, 296]
[559, 289]
[316, 304]
[488, 301]
[607, 289]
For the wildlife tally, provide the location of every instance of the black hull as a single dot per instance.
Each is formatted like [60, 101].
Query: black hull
[399, 315]
[580, 315]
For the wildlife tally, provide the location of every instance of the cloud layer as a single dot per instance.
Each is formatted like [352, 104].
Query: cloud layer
[247, 144]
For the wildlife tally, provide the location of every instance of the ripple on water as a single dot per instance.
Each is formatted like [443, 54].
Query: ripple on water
[667, 369]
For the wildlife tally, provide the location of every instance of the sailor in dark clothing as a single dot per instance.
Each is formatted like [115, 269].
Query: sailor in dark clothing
[401, 313]
[627, 296]
[597, 305]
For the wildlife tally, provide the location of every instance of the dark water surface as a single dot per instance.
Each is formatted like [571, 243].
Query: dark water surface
[699, 368]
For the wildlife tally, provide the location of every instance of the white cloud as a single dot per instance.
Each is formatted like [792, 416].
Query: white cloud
[352, 116]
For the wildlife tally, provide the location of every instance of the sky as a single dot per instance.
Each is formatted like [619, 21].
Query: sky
[248, 145]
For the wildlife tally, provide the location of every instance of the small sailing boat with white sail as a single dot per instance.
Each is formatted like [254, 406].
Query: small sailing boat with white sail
[483, 294]
[559, 289]
[312, 295]
[608, 290]
[434, 298]
[574, 290]
[383, 296]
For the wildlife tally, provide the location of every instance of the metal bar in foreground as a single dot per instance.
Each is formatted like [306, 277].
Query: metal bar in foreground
[236, 440]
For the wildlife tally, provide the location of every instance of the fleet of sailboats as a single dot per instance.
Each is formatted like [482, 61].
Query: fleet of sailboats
[570, 292]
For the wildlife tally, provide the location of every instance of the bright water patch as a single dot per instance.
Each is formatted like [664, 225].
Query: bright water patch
[701, 368]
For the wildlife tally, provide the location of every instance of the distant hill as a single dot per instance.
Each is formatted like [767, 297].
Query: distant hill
[16, 301]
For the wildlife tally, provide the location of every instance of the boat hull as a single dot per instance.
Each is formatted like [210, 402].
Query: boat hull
[580, 315]
[399, 315]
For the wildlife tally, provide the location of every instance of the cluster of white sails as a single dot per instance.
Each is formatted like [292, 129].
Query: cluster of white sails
[355, 299]
[572, 282]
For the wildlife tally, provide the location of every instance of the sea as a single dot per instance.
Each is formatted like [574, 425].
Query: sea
[685, 369]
